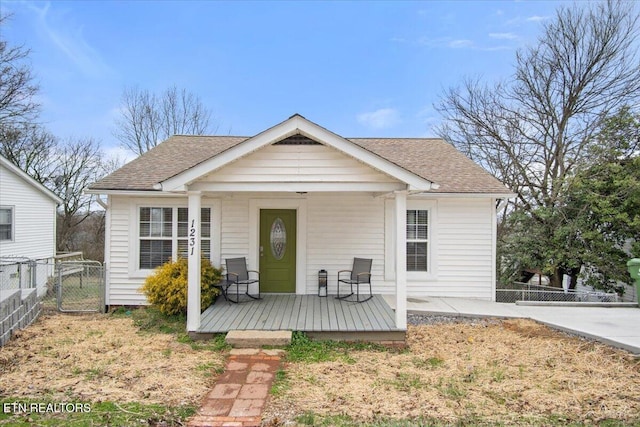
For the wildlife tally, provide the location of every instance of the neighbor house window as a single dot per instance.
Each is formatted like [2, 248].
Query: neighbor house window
[6, 223]
[163, 235]
[417, 240]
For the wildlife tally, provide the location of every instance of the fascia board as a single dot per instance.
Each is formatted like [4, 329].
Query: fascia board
[152, 193]
[434, 195]
[304, 187]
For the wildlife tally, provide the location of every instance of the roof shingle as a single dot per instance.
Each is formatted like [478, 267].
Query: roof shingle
[430, 158]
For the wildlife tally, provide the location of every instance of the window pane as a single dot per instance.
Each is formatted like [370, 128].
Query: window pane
[183, 222]
[182, 229]
[156, 214]
[155, 222]
[182, 248]
[422, 217]
[416, 256]
[205, 248]
[156, 229]
[145, 214]
[154, 253]
[411, 217]
[5, 224]
[205, 219]
[421, 231]
[5, 231]
[206, 230]
[183, 215]
[5, 216]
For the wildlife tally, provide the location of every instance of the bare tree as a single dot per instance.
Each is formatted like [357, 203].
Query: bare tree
[17, 89]
[532, 131]
[31, 148]
[78, 164]
[148, 119]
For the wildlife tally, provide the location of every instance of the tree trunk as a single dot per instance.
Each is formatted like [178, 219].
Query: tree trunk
[573, 277]
[555, 279]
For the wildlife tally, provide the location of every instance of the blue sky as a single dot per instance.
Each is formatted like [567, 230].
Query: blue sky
[358, 68]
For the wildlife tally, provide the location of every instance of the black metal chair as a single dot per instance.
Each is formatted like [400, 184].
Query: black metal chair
[360, 274]
[238, 275]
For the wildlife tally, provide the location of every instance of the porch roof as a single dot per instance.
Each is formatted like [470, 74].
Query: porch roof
[430, 159]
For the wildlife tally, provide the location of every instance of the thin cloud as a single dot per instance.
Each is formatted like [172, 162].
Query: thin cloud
[382, 118]
[70, 41]
[503, 36]
[451, 43]
[446, 42]
[461, 44]
[537, 18]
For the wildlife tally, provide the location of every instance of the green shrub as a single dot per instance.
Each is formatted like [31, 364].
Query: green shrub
[166, 288]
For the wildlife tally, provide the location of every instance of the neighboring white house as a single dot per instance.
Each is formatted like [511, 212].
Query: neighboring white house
[420, 209]
[27, 221]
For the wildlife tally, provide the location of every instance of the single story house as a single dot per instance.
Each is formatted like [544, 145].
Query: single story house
[27, 228]
[422, 211]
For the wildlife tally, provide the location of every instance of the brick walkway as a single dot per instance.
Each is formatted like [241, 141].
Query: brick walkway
[241, 392]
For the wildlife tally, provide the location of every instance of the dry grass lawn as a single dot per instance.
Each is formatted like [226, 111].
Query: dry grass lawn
[96, 358]
[504, 372]
[509, 372]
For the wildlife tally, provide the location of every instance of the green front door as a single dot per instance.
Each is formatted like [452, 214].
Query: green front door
[278, 250]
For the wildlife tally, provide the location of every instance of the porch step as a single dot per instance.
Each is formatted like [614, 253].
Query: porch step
[257, 339]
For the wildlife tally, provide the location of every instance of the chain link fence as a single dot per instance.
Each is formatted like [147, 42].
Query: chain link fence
[79, 286]
[65, 283]
[26, 273]
[526, 292]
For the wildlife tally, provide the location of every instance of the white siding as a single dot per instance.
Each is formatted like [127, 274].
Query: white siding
[338, 228]
[341, 228]
[34, 216]
[123, 288]
[297, 163]
[462, 249]
[235, 228]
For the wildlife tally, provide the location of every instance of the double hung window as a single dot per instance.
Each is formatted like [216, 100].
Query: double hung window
[417, 240]
[163, 235]
[6, 223]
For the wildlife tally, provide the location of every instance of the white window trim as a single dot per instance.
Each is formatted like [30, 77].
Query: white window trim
[12, 210]
[412, 276]
[134, 231]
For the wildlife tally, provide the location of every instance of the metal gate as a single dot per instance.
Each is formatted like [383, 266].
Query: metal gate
[80, 286]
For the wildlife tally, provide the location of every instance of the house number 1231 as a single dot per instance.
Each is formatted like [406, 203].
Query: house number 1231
[192, 237]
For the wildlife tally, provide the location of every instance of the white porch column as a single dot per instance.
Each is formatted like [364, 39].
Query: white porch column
[193, 256]
[401, 258]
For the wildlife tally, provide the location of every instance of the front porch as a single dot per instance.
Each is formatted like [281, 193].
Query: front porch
[320, 318]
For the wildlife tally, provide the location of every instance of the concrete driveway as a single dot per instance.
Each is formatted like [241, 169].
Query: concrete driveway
[615, 326]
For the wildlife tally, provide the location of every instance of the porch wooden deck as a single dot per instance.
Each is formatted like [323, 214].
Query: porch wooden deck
[326, 318]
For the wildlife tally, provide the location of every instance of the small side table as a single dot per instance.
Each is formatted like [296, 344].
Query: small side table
[322, 283]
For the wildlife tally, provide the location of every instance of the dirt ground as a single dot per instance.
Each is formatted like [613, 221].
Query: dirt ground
[495, 371]
[95, 358]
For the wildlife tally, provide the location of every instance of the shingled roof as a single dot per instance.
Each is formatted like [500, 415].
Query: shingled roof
[430, 158]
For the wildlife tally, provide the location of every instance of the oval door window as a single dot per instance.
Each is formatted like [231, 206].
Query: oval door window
[278, 239]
